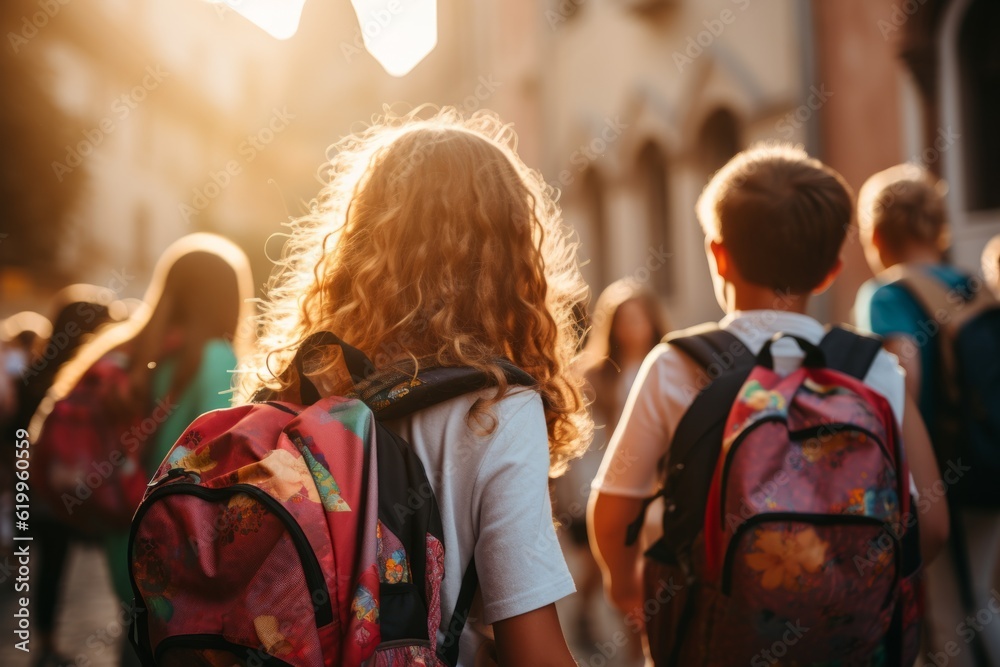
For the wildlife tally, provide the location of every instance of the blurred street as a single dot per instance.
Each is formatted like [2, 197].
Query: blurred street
[88, 629]
[88, 626]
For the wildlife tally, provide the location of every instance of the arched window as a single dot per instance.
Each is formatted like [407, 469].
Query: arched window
[979, 63]
[652, 169]
[718, 140]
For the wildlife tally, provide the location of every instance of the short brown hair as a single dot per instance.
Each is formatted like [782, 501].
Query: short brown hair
[781, 214]
[905, 204]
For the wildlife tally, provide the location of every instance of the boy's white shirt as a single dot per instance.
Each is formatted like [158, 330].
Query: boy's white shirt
[668, 383]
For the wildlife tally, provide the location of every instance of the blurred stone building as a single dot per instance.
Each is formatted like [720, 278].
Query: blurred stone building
[200, 121]
[642, 101]
[920, 82]
[196, 120]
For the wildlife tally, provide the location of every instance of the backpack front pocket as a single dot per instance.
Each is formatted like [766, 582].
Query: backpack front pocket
[223, 559]
[808, 587]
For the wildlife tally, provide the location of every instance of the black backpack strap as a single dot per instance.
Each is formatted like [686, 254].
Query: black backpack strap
[396, 392]
[711, 347]
[720, 354]
[697, 440]
[448, 651]
[849, 351]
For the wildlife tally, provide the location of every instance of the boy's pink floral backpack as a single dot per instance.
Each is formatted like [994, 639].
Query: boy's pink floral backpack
[790, 535]
[305, 535]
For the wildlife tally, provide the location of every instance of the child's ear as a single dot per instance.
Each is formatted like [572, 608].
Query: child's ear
[830, 277]
[878, 241]
[723, 263]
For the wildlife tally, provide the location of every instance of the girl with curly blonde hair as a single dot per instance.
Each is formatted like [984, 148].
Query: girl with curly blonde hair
[433, 244]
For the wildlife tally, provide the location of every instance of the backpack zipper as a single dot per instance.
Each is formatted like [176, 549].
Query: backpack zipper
[793, 436]
[310, 564]
[730, 453]
[796, 517]
[813, 431]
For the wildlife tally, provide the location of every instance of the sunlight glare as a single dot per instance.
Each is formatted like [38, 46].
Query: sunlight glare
[398, 33]
[278, 18]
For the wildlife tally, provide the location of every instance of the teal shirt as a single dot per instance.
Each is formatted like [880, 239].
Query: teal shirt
[890, 310]
[208, 390]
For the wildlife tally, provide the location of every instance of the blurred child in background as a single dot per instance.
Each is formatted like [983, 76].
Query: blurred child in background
[21, 336]
[918, 302]
[80, 310]
[180, 355]
[628, 322]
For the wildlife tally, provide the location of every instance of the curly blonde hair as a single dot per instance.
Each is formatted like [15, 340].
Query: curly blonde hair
[433, 242]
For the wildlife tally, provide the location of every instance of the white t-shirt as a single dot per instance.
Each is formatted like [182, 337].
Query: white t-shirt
[493, 495]
[665, 389]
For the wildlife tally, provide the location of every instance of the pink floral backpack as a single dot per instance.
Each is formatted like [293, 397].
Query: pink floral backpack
[90, 459]
[790, 535]
[304, 535]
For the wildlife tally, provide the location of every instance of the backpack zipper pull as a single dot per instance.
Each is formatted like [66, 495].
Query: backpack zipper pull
[172, 475]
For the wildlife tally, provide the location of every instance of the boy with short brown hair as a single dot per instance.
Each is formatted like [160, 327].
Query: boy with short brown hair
[775, 221]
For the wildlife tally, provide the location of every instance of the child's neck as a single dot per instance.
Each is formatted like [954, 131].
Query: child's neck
[913, 254]
[754, 297]
[923, 255]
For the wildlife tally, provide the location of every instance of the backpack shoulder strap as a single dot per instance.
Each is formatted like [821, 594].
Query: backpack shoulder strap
[697, 440]
[707, 344]
[712, 348]
[848, 351]
[929, 293]
[395, 393]
[398, 391]
[448, 651]
[950, 308]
